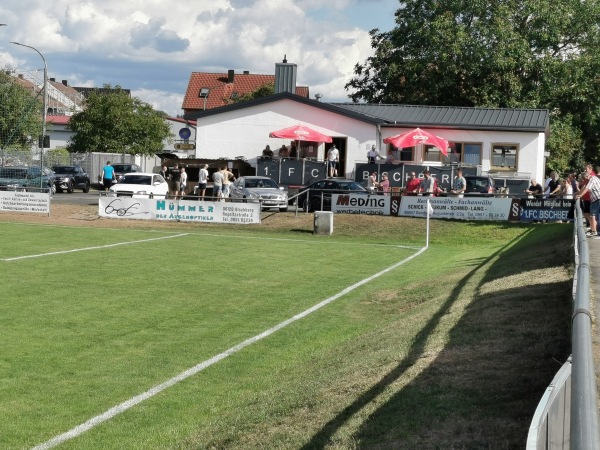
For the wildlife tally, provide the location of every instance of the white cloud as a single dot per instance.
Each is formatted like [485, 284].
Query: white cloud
[151, 46]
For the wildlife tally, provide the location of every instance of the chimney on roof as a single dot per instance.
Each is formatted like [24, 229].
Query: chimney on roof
[246, 72]
[52, 79]
[21, 76]
[230, 76]
[64, 82]
[285, 77]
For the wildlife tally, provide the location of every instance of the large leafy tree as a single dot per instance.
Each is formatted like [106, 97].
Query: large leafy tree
[20, 114]
[501, 53]
[114, 122]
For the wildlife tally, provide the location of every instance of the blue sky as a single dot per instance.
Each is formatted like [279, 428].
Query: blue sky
[151, 47]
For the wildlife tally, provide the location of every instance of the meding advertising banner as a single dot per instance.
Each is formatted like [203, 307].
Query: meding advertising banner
[360, 204]
[467, 208]
[32, 202]
[178, 210]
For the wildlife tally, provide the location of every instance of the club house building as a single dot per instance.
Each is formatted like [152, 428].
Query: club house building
[500, 141]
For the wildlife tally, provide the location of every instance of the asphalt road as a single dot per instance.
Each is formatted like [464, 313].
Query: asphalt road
[76, 198]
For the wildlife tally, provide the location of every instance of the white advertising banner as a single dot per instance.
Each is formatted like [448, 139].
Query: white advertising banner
[360, 204]
[467, 208]
[33, 202]
[178, 210]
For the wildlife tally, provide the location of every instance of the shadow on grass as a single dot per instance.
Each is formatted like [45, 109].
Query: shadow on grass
[481, 390]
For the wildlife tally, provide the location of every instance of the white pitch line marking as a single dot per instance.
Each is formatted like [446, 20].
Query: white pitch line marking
[122, 407]
[97, 247]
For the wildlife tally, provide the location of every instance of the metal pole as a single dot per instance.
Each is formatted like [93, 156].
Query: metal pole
[44, 111]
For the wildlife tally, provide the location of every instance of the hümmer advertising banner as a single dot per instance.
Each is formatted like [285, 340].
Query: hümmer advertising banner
[31, 202]
[360, 204]
[468, 208]
[178, 210]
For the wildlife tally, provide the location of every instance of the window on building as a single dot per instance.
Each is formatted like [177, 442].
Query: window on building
[464, 152]
[432, 154]
[400, 154]
[504, 157]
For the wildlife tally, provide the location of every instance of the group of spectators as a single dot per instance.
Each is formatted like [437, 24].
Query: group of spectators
[428, 185]
[284, 152]
[178, 180]
[584, 187]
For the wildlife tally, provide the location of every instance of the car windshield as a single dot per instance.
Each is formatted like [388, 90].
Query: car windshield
[352, 186]
[63, 169]
[473, 183]
[121, 167]
[136, 179]
[261, 183]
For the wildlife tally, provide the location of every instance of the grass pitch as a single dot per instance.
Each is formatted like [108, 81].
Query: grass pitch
[86, 330]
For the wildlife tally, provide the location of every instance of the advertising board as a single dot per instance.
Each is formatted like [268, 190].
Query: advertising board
[179, 210]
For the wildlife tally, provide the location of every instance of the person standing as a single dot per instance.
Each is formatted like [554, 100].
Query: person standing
[427, 186]
[227, 179]
[554, 185]
[333, 155]
[384, 185]
[459, 185]
[593, 187]
[412, 185]
[164, 172]
[372, 183]
[108, 176]
[182, 182]
[218, 184]
[373, 155]
[174, 176]
[202, 180]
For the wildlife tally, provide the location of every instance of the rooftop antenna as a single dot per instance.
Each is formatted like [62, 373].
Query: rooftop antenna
[285, 58]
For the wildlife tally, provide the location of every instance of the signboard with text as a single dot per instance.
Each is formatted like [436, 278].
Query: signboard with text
[178, 210]
[29, 202]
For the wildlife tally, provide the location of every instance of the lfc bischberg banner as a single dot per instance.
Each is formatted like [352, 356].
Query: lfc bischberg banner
[178, 210]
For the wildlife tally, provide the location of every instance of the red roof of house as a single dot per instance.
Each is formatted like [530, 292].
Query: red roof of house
[221, 92]
[58, 120]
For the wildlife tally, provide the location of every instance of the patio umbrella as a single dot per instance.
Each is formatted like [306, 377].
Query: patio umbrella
[417, 136]
[300, 133]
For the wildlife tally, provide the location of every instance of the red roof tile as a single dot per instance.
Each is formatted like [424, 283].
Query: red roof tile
[58, 120]
[221, 92]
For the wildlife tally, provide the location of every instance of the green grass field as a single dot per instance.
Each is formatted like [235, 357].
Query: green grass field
[93, 317]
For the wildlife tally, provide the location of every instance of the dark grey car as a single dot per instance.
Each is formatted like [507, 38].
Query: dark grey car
[69, 178]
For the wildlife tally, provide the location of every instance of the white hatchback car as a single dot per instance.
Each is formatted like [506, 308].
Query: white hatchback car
[140, 185]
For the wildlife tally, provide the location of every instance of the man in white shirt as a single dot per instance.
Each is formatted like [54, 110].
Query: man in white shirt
[332, 159]
[373, 155]
[202, 180]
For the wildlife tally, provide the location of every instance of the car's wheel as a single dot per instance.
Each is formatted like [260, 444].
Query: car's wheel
[86, 188]
[244, 200]
[307, 205]
[70, 187]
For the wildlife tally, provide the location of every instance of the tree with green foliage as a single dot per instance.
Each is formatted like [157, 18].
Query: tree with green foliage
[20, 114]
[114, 122]
[509, 53]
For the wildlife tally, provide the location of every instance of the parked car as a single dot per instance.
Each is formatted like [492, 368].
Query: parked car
[27, 178]
[122, 169]
[480, 184]
[71, 177]
[263, 189]
[140, 185]
[323, 189]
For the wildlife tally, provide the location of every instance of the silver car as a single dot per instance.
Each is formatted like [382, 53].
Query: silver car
[260, 189]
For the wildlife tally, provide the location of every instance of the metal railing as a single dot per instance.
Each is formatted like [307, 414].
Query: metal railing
[567, 415]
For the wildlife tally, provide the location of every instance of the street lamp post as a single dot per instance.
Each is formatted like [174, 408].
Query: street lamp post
[44, 112]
